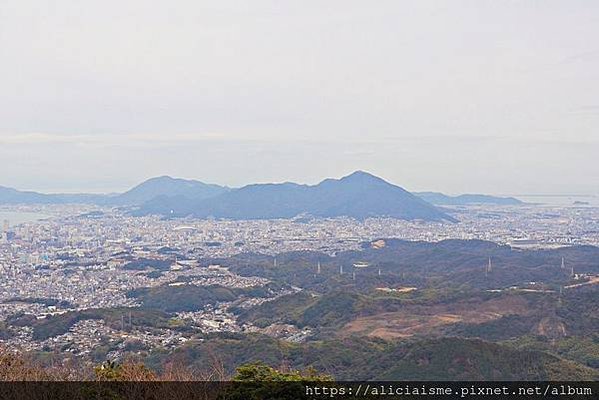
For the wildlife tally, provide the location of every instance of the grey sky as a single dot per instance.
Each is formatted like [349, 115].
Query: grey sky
[455, 96]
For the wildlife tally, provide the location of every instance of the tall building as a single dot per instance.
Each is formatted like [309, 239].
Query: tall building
[5, 226]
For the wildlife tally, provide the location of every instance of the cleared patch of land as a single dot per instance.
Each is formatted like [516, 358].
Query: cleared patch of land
[397, 290]
[416, 320]
[592, 281]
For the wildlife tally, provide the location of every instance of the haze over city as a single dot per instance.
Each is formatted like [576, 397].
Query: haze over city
[292, 199]
[459, 97]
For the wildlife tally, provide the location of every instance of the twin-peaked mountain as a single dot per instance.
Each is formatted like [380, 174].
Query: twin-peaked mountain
[359, 195]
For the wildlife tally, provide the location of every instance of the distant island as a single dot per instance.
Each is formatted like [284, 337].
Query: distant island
[441, 199]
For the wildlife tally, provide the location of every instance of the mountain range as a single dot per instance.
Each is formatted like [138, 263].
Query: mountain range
[151, 189]
[359, 195]
[13, 196]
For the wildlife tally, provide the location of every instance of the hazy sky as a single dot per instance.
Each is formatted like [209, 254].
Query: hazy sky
[456, 96]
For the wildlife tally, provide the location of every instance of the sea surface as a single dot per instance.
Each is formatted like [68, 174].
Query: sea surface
[20, 217]
[561, 200]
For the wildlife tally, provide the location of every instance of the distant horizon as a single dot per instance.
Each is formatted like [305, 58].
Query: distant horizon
[122, 189]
